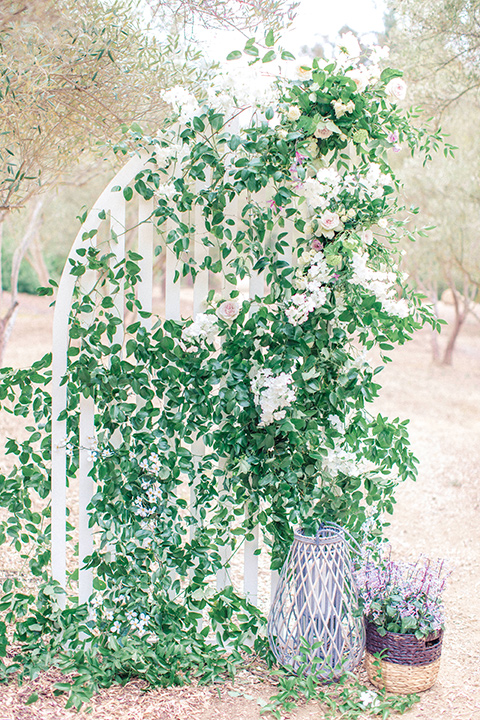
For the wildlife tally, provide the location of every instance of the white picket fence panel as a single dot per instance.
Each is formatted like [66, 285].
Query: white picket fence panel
[112, 206]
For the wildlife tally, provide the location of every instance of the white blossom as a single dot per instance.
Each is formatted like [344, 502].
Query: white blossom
[272, 393]
[204, 327]
[183, 102]
[293, 113]
[242, 86]
[379, 283]
[313, 295]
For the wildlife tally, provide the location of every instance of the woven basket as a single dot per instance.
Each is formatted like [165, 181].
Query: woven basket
[408, 665]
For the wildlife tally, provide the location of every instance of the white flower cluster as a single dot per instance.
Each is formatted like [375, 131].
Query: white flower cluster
[323, 188]
[146, 506]
[138, 623]
[373, 183]
[182, 101]
[152, 465]
[313, 294]
[168, 150]
[348, 52]
[328, 184]
[381, 284]
[141, 510]
[272, 393]
[166, 190]
[341, 108]
[204, 327]
[64, 443]
[242, 86]
[339, 460]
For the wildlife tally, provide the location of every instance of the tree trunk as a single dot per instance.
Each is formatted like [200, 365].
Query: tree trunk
[432, 294]
[37, 262]
[452, 339]
[1, 261]
[8, 320]
[461, 304]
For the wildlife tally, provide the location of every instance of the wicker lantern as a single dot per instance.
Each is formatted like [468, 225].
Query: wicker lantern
[315, 625]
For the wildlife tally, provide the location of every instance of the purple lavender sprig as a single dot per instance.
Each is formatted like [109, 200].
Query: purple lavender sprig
[403, 597]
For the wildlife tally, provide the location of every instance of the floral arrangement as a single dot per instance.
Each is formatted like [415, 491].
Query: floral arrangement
[403, 597]
[288, 180]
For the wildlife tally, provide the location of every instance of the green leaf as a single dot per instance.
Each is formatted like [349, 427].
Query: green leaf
[270, 38]
[31, 699]
[269, 56]
[234, 55]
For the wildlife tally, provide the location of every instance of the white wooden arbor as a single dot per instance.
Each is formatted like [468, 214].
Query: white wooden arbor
[110, 210]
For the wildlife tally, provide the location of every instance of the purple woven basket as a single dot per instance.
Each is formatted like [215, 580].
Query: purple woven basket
[404, 648]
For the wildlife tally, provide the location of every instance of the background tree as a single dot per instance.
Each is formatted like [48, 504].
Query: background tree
[73, 73]
[438, 44]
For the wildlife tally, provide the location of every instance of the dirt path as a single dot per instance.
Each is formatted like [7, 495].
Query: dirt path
[439, 516]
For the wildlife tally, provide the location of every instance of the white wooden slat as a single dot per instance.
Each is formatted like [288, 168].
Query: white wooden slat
[60, 341]
[250, 583]
[274, 578]
[117, 226]
[86, 492]
[146, 232]
[200, 252]
[87, 444]
[172, 289]
[231, 212]
[223, 577]
[257, 289]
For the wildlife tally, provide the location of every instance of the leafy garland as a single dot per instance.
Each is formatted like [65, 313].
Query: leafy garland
[277, 387]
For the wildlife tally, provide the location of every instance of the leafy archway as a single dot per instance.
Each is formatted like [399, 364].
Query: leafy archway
[258, 404]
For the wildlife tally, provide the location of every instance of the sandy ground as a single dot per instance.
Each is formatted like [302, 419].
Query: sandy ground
[439, 516]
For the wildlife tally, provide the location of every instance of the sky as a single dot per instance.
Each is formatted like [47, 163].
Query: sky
[315, 19]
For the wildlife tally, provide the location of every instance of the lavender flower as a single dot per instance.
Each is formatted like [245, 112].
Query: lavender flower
[403, 597]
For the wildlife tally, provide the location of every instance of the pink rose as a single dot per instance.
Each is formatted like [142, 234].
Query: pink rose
[396, 89]
[228, 310]
[316, 244]
[366, 236]
[322, 131]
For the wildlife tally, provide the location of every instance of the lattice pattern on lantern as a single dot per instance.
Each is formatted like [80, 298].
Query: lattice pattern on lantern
[314, 624]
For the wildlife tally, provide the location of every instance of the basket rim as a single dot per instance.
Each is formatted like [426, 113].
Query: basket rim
[329, 536]
[433, 635]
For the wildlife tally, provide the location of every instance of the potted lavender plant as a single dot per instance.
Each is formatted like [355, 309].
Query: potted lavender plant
[403, 608]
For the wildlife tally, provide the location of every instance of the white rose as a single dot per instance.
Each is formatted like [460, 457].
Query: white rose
[228, 310]
[329, 223]
[349, 45]
[396, 89]
[366, 236]
[293, 113]
[359, 77]
[339, 107]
